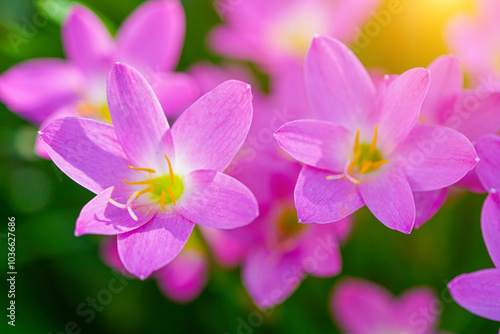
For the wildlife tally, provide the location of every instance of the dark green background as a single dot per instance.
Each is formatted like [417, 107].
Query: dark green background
[57, 271]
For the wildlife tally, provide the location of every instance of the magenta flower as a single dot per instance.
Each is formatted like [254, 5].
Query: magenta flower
[476, 41]
[269, 32]
[368, 148]
[479, 292]
[150, 39]
[154, 183]
[182, 280]
[362, 307]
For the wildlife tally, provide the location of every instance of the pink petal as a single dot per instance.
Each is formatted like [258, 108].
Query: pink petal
[99, 216]
[488, 169]
[175, 91]
[350, 16]
[321, 253]
[110, 256]
[471, 182]
[389, 197]
[155, 244]
[427, 203]
[228, 249]
[319, 200]
[434, 157]
[37, 88]
[319, 144]
[87, 42]
[87, 151]
[447, 81]
[397, 110]
[152, 36]
[183, 279]
[411, 307]
[212, 130]
[342, 96]
[478, 293]
[271, 277]
[138, 119]
[213, 199]
[362, 307]
[490, 225]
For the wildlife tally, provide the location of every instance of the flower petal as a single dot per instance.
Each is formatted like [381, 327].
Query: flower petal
[183, 279]
[427, 203]
[228, 250]
[110, 256]
[151, 37]
[447, 81]
[153, 245]
[319, 144]
[338, 86]
[138, 119]
[37, 88]
[434, 157]
[397, 110]
[389, 197]
[210, 132]
[488, 169]
[87, 151]
[478, 293]
[411, 305]
[319, 200]
[213, 199]
[87, 42]
[360, 306]
[269, 277]
[175, 91]
[490, 225]
[99, 216]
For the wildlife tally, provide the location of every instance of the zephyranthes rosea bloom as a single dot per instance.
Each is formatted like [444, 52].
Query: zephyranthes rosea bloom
[368, 149]
[150, 40]
[269, 32]
[479, 292]
[363, 307]
[154, 183]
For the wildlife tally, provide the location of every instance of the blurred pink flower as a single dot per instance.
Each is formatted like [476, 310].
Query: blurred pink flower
[270, 32]
[150, 39]
[153, 216]
[363, 307]
[368, 148]
[475, 39]
[479, 292]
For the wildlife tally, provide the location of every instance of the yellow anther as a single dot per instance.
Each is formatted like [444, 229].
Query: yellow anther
[170, 170]
[365, 167]
[377, 164]
[171, 193]
[356, 142]
[162, 199]
[147, 190]
[374, 141]
[140, 182]
[149, 170]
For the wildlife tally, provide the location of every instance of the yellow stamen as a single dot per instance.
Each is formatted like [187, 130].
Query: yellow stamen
[147, 190]
[367, 165]
[355, 160]
[374, 141]
[170, 170]
[140, 182]
[162, 197]
[379, 163]
[356, 142]
[171, 193]
[143, 169]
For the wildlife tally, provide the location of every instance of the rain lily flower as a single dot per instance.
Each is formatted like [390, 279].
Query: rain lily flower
[150, 39]
[477, 42]
[473, 112]
[479, 292]
[154, 183]
[270, 32]
[182, 280]
[362, 307]
[367, 148]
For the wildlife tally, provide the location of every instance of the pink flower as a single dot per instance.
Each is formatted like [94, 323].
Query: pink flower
[368, 148]
[182, 280]
[270, 32]
[362, 307]
[479, 292]
[477, 42]
[154, 183]
[150, 39]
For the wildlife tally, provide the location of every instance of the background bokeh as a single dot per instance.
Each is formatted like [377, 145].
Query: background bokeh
[57, 271]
